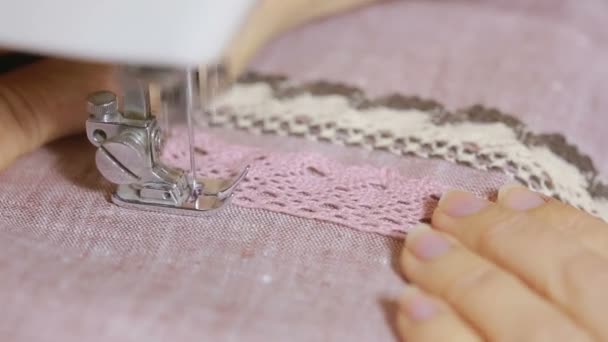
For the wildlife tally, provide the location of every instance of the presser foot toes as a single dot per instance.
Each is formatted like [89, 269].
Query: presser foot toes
[205, 197]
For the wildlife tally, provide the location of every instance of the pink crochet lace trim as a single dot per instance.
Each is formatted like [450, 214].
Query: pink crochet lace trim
[312, 186]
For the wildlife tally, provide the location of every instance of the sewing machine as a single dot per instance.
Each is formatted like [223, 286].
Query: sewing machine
[175, 48]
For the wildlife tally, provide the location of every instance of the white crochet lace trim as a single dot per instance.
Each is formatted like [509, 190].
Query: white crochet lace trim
[492, 146]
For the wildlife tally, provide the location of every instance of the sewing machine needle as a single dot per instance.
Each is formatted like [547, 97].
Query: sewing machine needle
[193, 104]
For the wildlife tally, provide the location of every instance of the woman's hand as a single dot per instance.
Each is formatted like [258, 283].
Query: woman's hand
[525, 268]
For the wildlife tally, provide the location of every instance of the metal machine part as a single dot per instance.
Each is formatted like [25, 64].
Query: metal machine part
[129, 144]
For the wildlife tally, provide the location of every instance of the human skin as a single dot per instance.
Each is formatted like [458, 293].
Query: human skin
[523, 268]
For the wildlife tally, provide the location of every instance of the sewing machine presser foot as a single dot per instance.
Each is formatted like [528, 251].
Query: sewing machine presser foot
[129, 145]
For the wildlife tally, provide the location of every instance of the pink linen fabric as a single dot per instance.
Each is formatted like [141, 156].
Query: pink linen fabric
[75, 267]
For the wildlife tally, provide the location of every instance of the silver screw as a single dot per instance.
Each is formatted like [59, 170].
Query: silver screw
[102, 103]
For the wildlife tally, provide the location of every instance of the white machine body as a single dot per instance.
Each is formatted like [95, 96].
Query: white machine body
[176, 33]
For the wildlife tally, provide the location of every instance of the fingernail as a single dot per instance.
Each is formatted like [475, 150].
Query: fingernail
[505, 189]
[426, 244]
[518, 197]
[459, 203]
[418, 307]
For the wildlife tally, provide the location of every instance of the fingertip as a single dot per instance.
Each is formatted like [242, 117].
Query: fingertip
[423, 317]
[415, 232]
[418, 307]
[504, 190]
[456, 203]
[409, 263]
[519, 198]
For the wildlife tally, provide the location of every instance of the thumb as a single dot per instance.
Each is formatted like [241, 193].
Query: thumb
[45, 101]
